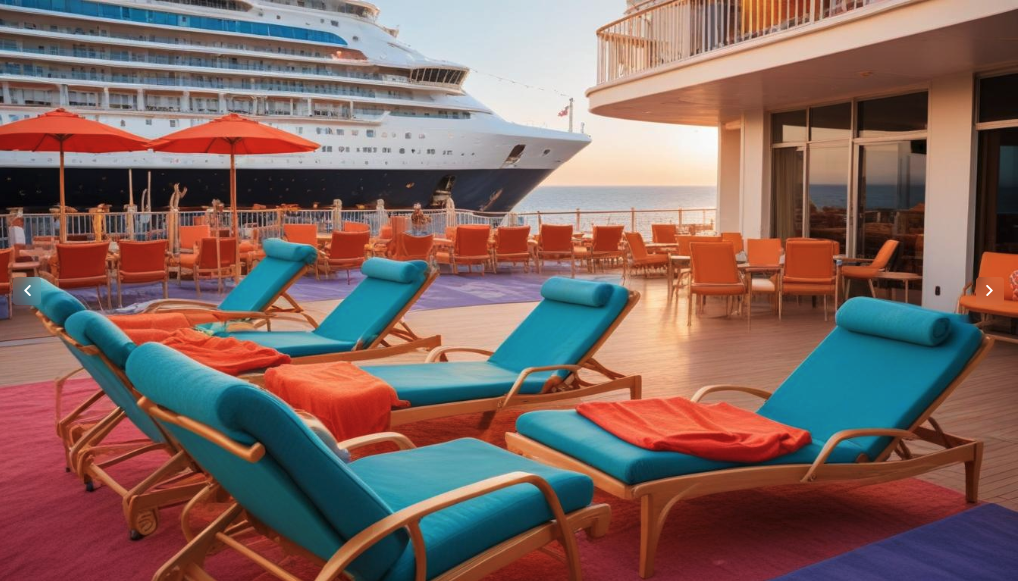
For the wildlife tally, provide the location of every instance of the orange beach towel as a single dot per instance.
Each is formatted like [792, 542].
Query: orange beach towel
[718, 432]
[225, 354]
[348, 400]
[155, 327]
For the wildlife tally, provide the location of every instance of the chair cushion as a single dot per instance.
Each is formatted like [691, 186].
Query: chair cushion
[288, 251]
[435, 383]
[394, 271]
[718, 289]
[574, 435]
[859, 272]
[577, 292]
[464, 530]
[895, 321]
[855, 380]
[978, 304]
[293, 343]
[799, 288]
[300, 488]
[56, 304]
[282, 262]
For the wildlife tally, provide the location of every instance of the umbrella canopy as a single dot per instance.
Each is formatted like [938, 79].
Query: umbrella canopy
[62, 131]
[233, 135]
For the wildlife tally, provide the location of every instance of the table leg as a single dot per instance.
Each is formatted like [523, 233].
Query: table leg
[670, 273]
[906, 291]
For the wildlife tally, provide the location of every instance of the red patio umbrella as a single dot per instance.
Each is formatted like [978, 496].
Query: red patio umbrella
[62, 131]
[233, 135]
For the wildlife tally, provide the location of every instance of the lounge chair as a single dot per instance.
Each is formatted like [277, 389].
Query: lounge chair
[102, 349]
[257, 293]
[992, 265]
[458, 510]
[367, 321]
[347, 251]
[142, 263]
[539, 362]
[868, 387]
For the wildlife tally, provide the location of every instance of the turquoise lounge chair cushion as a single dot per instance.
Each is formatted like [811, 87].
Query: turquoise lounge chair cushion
[899, 322]
[56, 304]
[294, 343]
[92, 329]
[436, 383]
[564, 326]
[282, 262]
[576, 436]
[855, 380]
[460, 532]
[299, 488]
[375, 302]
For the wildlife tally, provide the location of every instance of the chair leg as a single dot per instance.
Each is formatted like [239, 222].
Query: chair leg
[972, 471]
[825, 308]
[166, 287]
[689, 307]
[873, 290]
[120, 299]
[652, 519]
[197, 287]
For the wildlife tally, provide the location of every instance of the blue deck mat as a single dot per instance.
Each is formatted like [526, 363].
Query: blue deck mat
[980, 543]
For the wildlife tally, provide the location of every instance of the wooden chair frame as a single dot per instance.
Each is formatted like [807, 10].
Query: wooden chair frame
[383, 345]
[658, 497]
[171, 484]
[984, 318]
[270, 310]
[571, 387]
[233, 524]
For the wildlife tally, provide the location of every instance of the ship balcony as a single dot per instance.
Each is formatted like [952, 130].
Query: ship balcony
[701, 62]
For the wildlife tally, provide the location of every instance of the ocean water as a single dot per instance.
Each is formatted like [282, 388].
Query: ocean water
[588, 198]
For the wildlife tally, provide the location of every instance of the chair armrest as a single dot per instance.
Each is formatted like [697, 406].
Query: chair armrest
[703, 391]
[401, 441]
[518, 384]
[844, 435]
[411, 516]
[439, 352]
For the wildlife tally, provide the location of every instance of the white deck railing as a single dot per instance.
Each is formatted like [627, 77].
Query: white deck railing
[670, 32]
[269, 223]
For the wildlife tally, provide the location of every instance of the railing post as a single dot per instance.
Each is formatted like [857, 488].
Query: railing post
[131, 211]
[632, 219]
[578, 227]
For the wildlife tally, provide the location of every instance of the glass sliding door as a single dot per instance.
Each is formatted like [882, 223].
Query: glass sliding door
[997, 202]
[891, 200]
[828, 193]
[787, 189]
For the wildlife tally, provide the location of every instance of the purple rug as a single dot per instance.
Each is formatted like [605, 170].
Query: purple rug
[448, 291]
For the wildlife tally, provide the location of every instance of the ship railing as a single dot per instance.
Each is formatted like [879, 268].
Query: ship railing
[260, 224]
[665, 33]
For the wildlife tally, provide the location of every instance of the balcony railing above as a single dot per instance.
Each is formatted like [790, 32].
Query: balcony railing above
[669, 32]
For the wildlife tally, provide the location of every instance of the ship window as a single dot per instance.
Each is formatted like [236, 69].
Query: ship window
[340, 131]
[370, 132]
[402, 150]
[173, 122]
[515, 154]
[123, 123]
[996, 98]
[409, 136]
[893, 115]
[788, 127]
[148, 122]
[318, 130]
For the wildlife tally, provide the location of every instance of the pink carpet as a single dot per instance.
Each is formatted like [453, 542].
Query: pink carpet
[53, 529]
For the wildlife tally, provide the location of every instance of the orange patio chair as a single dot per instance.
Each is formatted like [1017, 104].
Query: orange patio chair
[512, 245]
[809, 271]
[6, 284]
[190, 236]
[204, 263]
[396, 225]
[143, 263]
[347, 251]
[82, 265]
[850, 272]
[640, 259]
[664, 233]
[469, 248]
[356, 227]
[714, 273]
[556, 243]
[302, 234]
[606, 245]
[735, 238]
[763, 253]
[995, 265]
[410, 247]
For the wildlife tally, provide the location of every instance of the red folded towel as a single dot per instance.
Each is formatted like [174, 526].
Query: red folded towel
[718, 432]
[224, 354]
[348, 400]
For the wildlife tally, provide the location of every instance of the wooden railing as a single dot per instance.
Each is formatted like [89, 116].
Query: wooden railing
[670, 32]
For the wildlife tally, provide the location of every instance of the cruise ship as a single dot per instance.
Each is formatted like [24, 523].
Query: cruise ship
[392, 123]
[860, 121]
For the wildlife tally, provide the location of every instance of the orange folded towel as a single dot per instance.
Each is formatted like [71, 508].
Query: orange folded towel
[348, 400]
[155, 327]
[224, 354]
[718, 432]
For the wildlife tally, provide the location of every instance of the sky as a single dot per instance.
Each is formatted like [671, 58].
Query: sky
[551, 45]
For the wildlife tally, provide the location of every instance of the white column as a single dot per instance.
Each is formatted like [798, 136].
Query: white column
[729, 171]
[949, 233]
[755, 179]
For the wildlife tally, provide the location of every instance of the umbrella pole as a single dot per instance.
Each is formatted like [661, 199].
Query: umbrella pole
[236, 219]
[63, 208]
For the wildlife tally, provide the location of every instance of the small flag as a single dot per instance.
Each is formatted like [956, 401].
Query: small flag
[564, 112]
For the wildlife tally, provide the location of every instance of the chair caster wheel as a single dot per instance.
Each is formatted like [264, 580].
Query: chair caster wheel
[89, 487]
[136, 536]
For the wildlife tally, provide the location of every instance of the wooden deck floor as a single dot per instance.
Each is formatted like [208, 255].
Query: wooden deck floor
[673, 359]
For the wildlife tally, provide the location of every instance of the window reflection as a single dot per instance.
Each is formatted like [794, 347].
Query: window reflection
[892, 200]
[828, 193]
